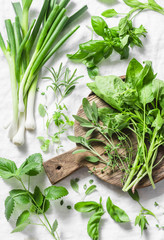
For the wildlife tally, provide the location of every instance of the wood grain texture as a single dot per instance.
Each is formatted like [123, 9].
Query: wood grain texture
[63, 165]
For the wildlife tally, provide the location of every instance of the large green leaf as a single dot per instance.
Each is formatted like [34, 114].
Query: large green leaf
[8, 168]
[20, 196]
[116, 213]
[93, 225]
[133, 72]
[54, 192]
[99, 25]
[87, 206]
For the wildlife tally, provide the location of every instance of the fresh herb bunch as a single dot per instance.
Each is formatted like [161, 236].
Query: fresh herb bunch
[34, 203]
[141, 219]
[112, 157]
[62, 83]
[138, 102]
[119, 38]
[27, 51]
[116, 213]
[137, 7]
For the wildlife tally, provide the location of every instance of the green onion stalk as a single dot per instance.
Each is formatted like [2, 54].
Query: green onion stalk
[28, 50]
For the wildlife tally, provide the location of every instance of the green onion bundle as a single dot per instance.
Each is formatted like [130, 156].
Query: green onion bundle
[28, 49]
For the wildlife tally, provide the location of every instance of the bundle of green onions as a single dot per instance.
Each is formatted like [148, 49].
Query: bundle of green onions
[27, 50]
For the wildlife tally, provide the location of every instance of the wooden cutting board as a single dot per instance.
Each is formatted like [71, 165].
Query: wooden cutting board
[63, 165]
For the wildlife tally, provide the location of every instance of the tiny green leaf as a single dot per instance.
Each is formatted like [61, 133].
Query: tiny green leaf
[92, 159]
[90, 190]
[74, 185]
[42, 110]
[109, 13]
[54, 192]
[54, 226]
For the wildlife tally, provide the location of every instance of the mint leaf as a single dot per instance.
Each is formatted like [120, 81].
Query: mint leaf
[38, 196]
[23, 218]
[21, 227]
[54, 192]
[9, 207]
[35, 164]
[20, 196]
[8, 168]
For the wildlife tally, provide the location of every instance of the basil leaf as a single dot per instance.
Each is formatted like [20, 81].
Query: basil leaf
[116, 213]
[87, 206]
[54, 192]
[109, 13]
[93, 225]
[133, 3]
[90, 190]
[134, 195]
[98, 25]
[93, 46]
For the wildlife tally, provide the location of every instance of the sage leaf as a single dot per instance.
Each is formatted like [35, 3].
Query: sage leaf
[92, 159]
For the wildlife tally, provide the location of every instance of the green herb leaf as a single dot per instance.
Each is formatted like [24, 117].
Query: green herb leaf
[33, 165]
[93, 72]
[134, 195]
[109, 13]
[21, 227]
[9, 207]
[133, 3]
[79, 151]
[93, 225]
[23, 218]
[38, 196]
[116, 213]
[98, 25]
[75, 139]
[74, 185]
[54, 226]
[54, 192]
[87, 206]
[142, 222]
[92, 159]
[42, 110]
[20, 196]
[90, 190]
[7, 168]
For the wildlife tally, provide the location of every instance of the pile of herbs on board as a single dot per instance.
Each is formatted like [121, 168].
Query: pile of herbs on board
[135, 104]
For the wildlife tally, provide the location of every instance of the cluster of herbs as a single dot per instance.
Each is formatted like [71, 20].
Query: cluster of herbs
[117, 154]
[62, 83]
[34, 204]
[27, 51]
[116, 213]
[138, 102]
[119, 38]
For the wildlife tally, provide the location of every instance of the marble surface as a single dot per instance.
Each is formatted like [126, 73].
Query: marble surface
[73, 225]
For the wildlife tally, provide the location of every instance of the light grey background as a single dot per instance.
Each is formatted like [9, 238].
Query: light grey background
[72, 225]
